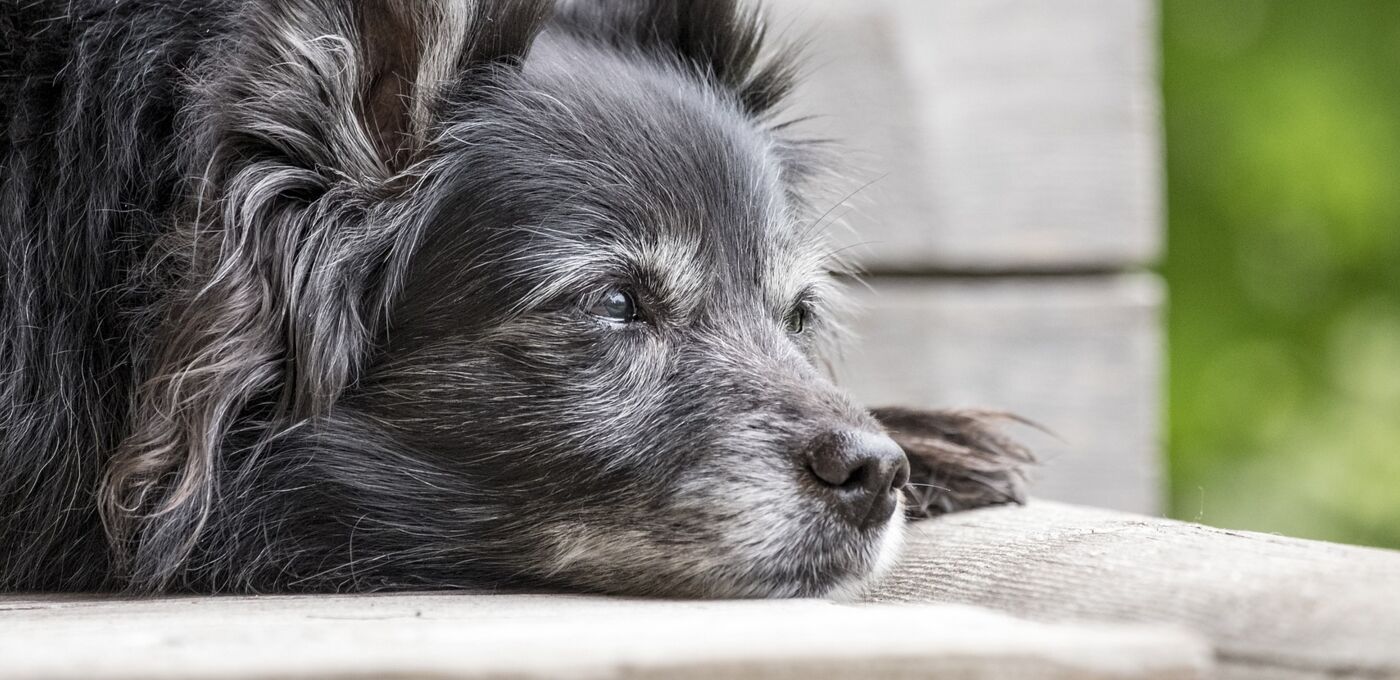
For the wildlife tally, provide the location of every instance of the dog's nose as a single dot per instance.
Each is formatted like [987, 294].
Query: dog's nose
[862, 472]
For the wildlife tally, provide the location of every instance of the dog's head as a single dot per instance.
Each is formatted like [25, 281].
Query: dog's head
[614, 318]
[486, 297]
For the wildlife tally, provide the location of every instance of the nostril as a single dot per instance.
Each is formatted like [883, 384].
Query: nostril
[829, 462]
[857, 478]
[831, 473]
[860, 479]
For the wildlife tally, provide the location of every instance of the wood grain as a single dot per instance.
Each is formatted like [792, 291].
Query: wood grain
[522, 636]
[1274, 607]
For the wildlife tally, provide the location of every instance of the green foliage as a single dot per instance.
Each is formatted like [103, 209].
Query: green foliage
[1283, 164]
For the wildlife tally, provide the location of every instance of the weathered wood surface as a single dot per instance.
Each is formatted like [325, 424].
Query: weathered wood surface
[479, 636]
[998, 134]
[1274, 607]
[1079, 355]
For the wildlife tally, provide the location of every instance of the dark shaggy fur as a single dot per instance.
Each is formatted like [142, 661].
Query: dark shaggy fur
[334, 295]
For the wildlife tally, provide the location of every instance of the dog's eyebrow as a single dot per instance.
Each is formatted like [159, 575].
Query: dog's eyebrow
[799, 269]
[563, 263]
[674, 270]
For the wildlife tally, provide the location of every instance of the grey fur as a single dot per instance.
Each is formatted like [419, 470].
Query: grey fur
[297, 294]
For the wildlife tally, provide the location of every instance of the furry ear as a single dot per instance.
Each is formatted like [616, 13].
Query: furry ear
[413, 50]
[286, 256]
[957, 459]
[724, 40]
[354, 85]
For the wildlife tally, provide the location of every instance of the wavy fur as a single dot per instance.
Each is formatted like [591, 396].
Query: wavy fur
[297, 298]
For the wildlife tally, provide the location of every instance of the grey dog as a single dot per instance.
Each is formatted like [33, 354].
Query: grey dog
[326, 295]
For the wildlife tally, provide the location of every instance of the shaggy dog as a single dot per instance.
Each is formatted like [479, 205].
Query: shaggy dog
[317, 295]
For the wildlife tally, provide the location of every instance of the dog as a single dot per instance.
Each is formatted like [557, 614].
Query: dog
[327, 295]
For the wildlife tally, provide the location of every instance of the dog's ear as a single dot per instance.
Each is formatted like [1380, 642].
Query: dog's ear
[354, 86]
[723, 40]
[958, 460]
[415, 51]
[293, 238]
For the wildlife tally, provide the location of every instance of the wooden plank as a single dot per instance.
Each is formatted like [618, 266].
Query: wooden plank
[1274, 607]
[998, 134]
[520, 636]
[1080, 356]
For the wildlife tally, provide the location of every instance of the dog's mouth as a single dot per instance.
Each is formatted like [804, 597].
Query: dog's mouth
[843, 573]
[787, 551]
[842, 570]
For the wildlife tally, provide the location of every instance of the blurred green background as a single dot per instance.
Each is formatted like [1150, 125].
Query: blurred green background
[1283, 171]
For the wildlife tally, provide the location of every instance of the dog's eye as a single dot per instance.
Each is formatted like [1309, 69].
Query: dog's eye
[797, 318]
[616, 305]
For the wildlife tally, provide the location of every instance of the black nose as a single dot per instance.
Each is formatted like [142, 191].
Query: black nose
[862, 473]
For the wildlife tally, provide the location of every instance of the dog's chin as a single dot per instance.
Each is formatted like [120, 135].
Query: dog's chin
[862, 567]
[889, 548]
[844, 572]
[776, 557]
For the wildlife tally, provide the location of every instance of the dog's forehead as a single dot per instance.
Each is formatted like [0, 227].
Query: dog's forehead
[656, 167]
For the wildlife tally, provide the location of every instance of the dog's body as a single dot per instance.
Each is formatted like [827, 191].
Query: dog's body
[334, 295]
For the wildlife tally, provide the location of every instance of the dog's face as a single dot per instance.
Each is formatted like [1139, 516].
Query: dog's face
[613, 325]
[502, 300]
